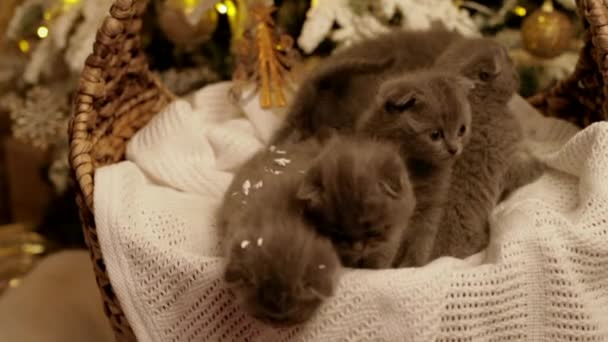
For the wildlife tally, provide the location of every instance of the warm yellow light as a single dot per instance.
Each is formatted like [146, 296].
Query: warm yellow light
[189, 5]
[230, 8]
[33, 248]
[48, 15]
[314, 3]
[14, 282]
[520, 11]
[67, 4]
[24, 46]
[42, 32]
[221, 7]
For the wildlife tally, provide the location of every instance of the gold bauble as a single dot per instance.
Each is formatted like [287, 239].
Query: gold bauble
[174, 24]
[546, 32]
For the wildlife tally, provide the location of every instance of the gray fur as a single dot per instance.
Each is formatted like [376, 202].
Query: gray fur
[523, 169]
[477, 179]
[284, 270]
[347, 82]
[358, 193]
[426, 113]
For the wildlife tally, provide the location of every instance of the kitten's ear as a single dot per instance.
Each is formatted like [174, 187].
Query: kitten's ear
[310, 189]
[321, 281]
[393, 177]
[324, 289]
[485, 66]
[397, 101]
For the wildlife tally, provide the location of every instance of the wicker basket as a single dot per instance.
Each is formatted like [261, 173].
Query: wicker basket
[118, 94]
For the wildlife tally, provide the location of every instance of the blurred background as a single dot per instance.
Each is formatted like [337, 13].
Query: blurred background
[189, 43]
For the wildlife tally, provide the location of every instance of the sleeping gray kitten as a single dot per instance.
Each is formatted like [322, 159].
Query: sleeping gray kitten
[262, 169]
[279, 267]
[427, 114]
[346, 83]
[324, 100]
[479, 174]
[359, 194]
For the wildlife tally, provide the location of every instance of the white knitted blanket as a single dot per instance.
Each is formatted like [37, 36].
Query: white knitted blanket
[543, 277]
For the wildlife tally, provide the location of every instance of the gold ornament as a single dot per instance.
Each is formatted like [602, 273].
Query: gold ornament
[546, 32]
[173, 21]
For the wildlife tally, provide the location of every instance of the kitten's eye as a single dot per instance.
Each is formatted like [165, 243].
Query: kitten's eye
[340, 238]
[485, 76]
[435, 135]
[462, 130]
[324, 85]
[307, 285]
[393, 107]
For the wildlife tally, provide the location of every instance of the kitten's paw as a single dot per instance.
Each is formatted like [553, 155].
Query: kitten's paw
[415, 258]
[524, 170]
[374, 263]
[369, 262]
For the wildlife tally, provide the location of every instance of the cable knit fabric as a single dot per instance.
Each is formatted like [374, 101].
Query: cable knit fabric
[544, 276]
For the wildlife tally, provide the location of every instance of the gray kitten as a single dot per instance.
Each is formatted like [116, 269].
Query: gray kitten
[359, 194]
[479, 174]
[319, 104]
[427, 114]
[262, 169]
[346, 83]
[280, 268]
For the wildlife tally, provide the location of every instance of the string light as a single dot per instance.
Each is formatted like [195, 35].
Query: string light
[189, 5]
[24, 46]
[230, 8]
[33, 248]
[67, 4]
[42, 32]
[221, 7]
[520, 11]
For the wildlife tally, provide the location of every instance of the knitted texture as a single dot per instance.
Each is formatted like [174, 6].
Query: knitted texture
[542, 278]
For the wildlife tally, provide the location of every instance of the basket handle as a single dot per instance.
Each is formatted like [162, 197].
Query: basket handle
[116, 95]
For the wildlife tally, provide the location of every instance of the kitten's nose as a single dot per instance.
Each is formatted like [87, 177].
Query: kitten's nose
[452, 147]
[358, 246]
[275, 302]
